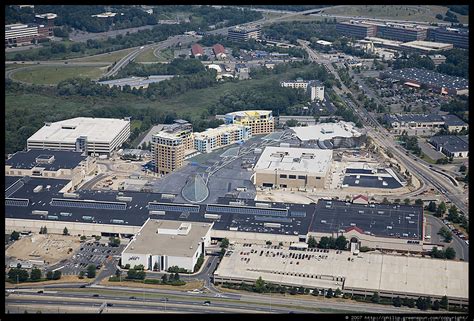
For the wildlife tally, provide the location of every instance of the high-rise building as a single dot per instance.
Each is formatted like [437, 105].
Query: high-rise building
[221, 136]
[315, 88]
[260, 121]
[243, 34]
[356, 29]
[458, 37]
[169, 145]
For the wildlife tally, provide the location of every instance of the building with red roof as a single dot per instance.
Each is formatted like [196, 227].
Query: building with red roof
[197, 50]
[219, 51]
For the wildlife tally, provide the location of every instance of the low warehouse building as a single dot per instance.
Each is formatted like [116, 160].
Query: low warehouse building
[160, 245]
[451, 146]
[362, 274]
[286, 167]
[51, 163]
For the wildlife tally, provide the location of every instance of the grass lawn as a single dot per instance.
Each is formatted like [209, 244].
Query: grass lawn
[399, 12]
[50, 75]
[147, 56]
[427, 159]
[107, 57]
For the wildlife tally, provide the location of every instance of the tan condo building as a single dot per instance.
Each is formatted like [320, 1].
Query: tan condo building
[260, 121]
[169, 145]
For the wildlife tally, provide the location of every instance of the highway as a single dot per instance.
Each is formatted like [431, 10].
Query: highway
[383, 138]
[155, 299]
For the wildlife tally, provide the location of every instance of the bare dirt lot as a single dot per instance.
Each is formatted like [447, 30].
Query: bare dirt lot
[50, 248]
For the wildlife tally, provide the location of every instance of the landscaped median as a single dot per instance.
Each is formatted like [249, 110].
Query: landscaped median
[151, 284]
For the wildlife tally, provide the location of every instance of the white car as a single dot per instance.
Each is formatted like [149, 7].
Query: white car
[467, 242]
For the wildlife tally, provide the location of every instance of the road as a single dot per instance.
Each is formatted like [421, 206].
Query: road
[171, 41]
[154, 299]
[461, 248]
[383, 138]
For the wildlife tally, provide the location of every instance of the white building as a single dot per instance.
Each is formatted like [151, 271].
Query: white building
[160, 245]
[315, 88]
[94, 135]
[326, 131]
[221, 136]
[285, 167]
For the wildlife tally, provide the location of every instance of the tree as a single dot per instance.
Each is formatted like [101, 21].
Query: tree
[419, 202]
[14, 236]
[83, 237]
[338, 292]
[91, 271]
[292, 123]
[375, 298]
[268, 242]
[57, 275]
[225, 243]
[259, 285]
[324, 242]
[49, 275]
[17, 275]
[450, 253]
[114, 241]
[442, 207]
[385, 201]
[312, 242]
[81, 274]
[127, 266]
[436, 305]
[164, 278]
[35, 274]
[65, 231]
[432, 206]
[341, 242]
[397, 302]
[406, 201]
[330, 293]
[411, 303]
[97, 238]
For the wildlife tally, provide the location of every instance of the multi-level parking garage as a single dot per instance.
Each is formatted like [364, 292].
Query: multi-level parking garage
[392, 227]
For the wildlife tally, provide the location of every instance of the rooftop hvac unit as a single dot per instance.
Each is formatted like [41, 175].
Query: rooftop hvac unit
[272, 225]
[233, 228]
[212, 216]
[38, 212]
[156, 212]
[70, 195]
[38, 189]
[266, 205]
[124, 198]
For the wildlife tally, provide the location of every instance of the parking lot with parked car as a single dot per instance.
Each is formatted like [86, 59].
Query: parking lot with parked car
[90, 253]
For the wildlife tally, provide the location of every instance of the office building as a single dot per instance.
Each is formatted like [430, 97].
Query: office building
[20, 34]
[221, 136]
[451, 145]
[356, 29]
[414, 121]
[313, 87]
[46, 23]
[243, 33]
[286, 167]
[91, 135]
[260, 121]
[160, 244]
[168, 147]
[401, 32]
[458, 37]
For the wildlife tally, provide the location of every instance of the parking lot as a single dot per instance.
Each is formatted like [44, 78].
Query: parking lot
[89, 253]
